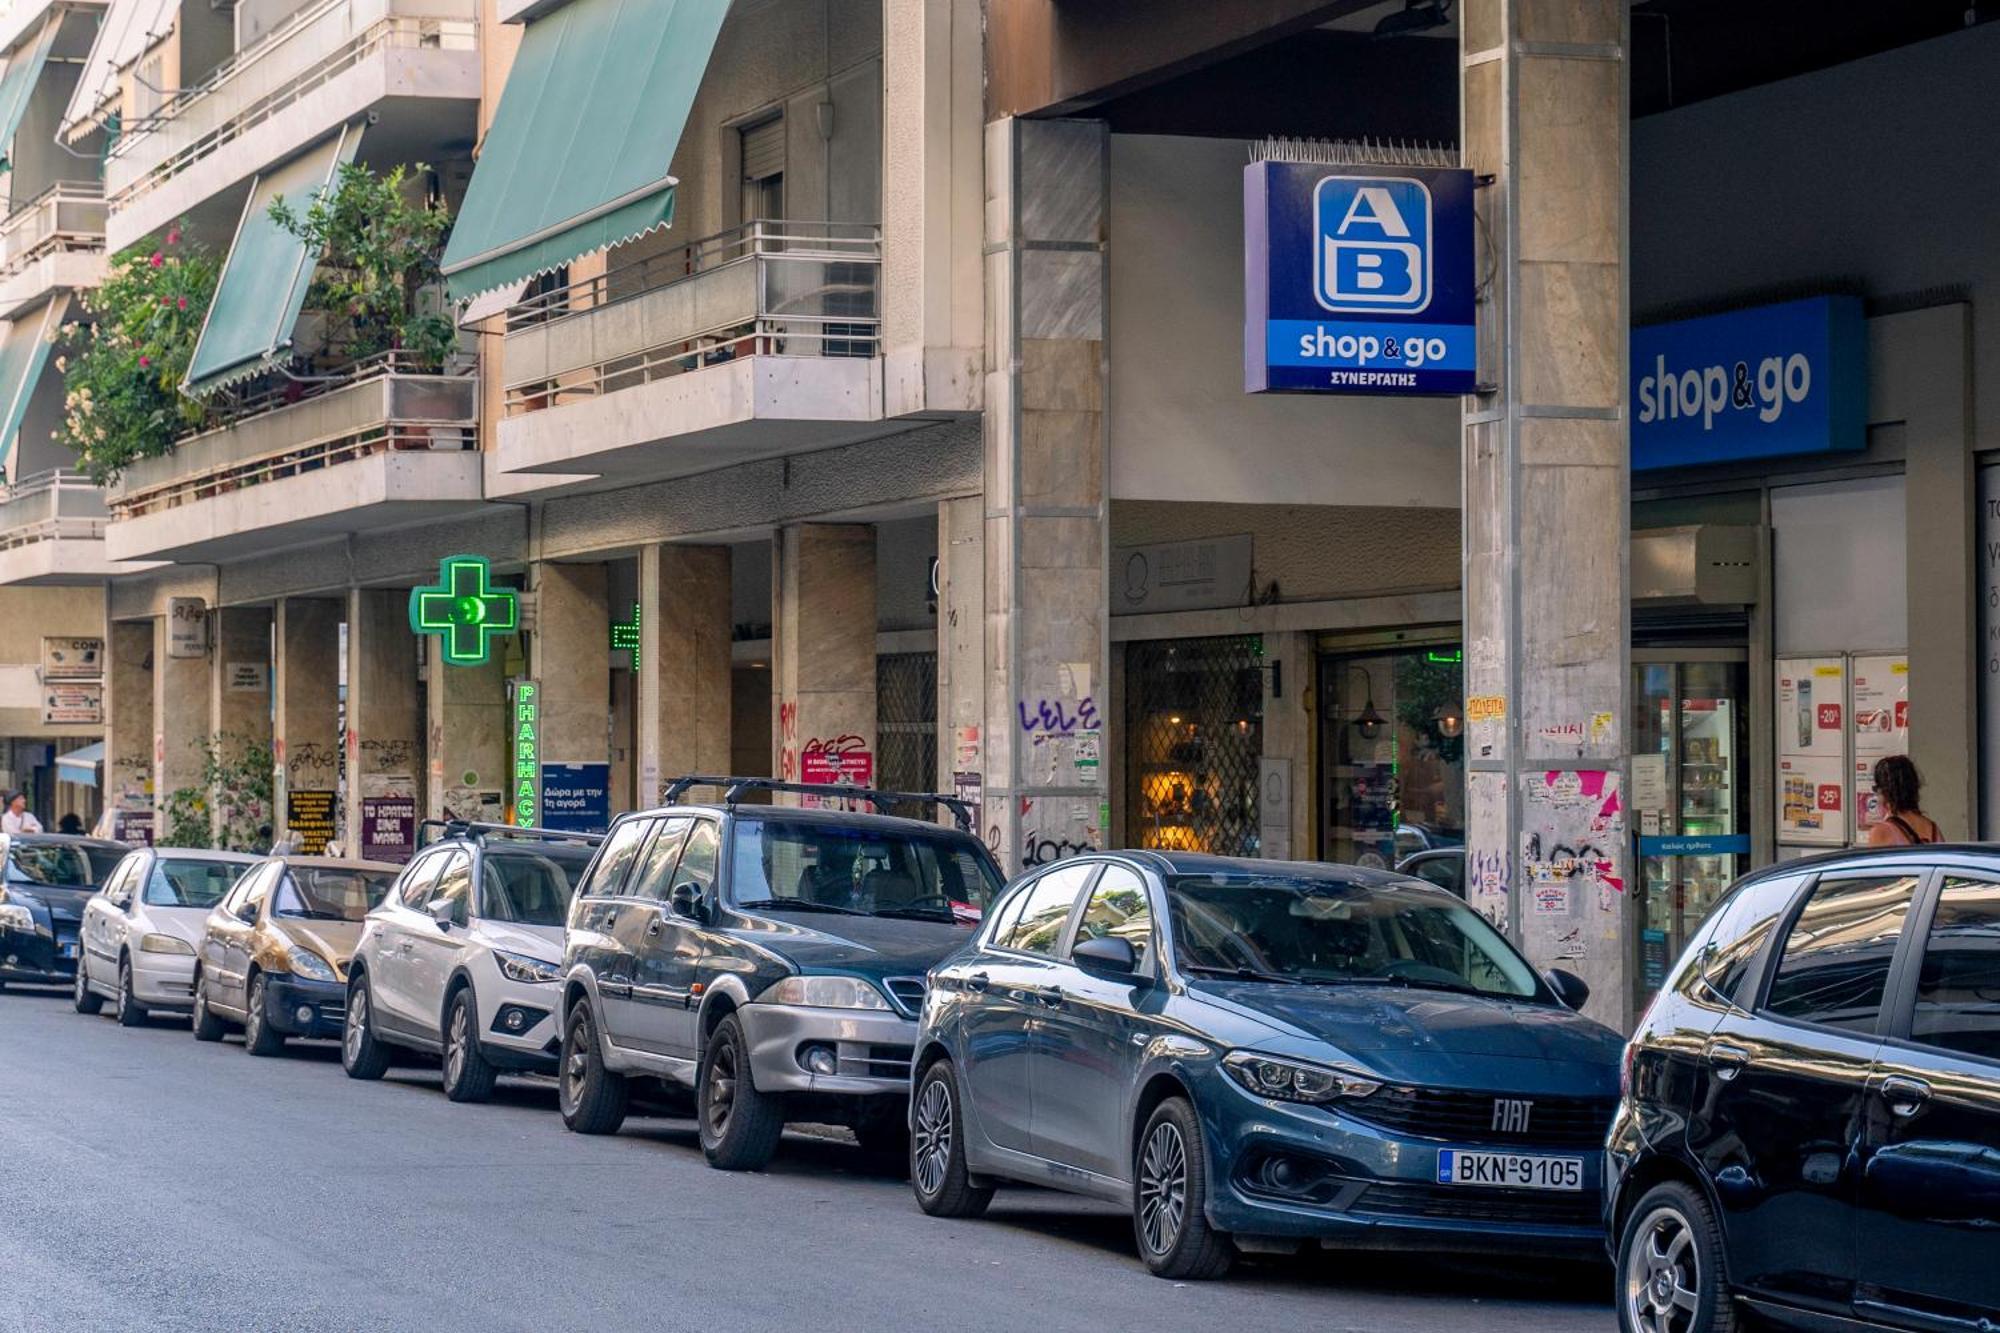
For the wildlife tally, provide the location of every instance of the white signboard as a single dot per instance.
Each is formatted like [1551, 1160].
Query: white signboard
[1812, 751]
[72, 659]
[187, 627]
[1881, 727]
[1649, 782]
[77, 704]
[1181, 576]
[249, 677]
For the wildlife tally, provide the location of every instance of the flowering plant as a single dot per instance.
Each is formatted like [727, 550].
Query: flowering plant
[231, 809]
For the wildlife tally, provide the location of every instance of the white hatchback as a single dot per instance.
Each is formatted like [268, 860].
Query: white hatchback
[463, 957]
[141, 930]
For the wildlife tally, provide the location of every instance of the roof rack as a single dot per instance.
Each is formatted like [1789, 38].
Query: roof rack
[734, 789]
[479, 832]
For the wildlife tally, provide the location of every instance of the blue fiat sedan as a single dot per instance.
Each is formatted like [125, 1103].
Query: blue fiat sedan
[1260, 1056]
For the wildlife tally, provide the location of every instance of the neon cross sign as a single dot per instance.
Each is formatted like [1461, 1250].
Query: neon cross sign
[625, 634]
[465, 610]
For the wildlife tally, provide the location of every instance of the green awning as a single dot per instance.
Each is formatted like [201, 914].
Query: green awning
[17, 83]
[264, 280]
[24, 351]
[578, 155]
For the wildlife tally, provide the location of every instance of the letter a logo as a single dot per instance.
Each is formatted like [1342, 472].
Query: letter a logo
[1374, 244]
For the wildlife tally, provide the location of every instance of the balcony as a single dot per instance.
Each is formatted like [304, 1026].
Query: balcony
[413, 63]
[759, 341]
[55, 242]
[377, 447]
[52, 531]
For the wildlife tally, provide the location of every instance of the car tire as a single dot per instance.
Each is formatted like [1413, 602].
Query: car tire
[1671, 1277]
[739, 1125]
[86, 1000]
[361, 1055]
[259, 1037]
[207, 1027]
[938, 1175]
[1170, 1201]
[592, 1097]
[131, 1013]
[468, 1076]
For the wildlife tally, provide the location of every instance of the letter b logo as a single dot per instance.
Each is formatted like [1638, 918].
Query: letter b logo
[1373, 252]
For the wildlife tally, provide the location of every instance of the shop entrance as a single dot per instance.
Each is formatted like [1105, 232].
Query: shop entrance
[1391, 752]
[1690, 754]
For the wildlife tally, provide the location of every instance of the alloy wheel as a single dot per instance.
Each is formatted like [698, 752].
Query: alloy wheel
[357, 1025]
[454, 1045]
[932, 1140]
[124, 989]
[253, 1021]
[1663, 1274]
[82, 984]
[1163, 1186]
[721, 1088]
[576, 1068]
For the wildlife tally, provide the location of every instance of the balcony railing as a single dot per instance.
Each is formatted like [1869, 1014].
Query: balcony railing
[66, 216]
[51, 506]
[767, 288]
[378, 407]
[306, 52]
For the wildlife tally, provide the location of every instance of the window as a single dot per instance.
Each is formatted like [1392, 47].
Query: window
[875, 869]
[454, 886]
[1958, 988]
[1725, 950]
[1835, 966]
[1046, 908]
[532, 888]
[1444, 869]
[185, 882]
[329, 893]
[704, 846]
[764, 169]
[118, 889]
[256, 886]
[654, 877]
[608, 880]
[419, 879]
[1119, 908]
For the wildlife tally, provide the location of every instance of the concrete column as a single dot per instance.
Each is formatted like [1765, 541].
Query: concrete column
[1547, 490]
[385, 724]
[572, 659]
[683, 667]
[466, 722]
[239, 698]
[128, 715]
[305, 704]
[1046, 598]
[961, 760]
[180, 718]
[822, 647]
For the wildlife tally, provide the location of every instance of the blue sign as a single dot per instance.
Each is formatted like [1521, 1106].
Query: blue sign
[1766, 382]
[576, 798]
[1695, 844]
[1358, 280]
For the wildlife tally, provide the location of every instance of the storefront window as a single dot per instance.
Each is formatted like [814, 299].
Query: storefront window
[1194, 719]
[1392, 754]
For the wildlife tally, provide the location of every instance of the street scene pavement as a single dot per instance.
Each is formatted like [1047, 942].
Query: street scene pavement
[153, 1182]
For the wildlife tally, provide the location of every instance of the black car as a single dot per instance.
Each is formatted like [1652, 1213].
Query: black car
[1811, 1120]
[770, 958]
[47, 879]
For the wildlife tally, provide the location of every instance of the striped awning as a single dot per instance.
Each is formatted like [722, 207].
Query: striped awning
[17, 83]
[24, 352]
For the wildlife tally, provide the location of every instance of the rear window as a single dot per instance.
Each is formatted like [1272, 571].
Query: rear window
[59, 865]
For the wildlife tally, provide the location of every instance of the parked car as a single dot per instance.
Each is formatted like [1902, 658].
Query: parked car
[771, 959]
[140, 932]
[462, 957]
[45, 880]
[1263, 1055]
[274, 954]
[1444, 867]
[1811, 1122]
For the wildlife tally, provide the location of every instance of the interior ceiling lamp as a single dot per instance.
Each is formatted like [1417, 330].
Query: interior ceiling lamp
[1369, 722]
[1415, 16]
[1450, 722]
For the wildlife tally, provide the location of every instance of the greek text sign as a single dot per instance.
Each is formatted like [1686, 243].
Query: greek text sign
[576, 797]
[1358, 279]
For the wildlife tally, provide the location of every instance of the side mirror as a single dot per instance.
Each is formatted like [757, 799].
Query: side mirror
[1570, 988]
[1108, 956]
[685, 901]
[442, 912]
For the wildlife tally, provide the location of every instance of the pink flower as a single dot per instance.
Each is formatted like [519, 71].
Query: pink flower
[173, 236]
[157, 259]
[166, 301]
[145, 361]
[184, 303]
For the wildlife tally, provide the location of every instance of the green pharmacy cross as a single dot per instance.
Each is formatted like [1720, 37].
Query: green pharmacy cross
[465, 610]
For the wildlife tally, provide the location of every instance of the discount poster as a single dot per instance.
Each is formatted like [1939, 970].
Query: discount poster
[1880, 727]
[1812, 751]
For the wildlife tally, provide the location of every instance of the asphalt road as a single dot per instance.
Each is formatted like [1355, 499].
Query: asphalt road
[148, 1181]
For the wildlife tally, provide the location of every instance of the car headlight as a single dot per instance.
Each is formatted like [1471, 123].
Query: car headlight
[1295, 1080]
[306, 963]
[825, 993]
[157, 943]
[13, 916]
[520, 967]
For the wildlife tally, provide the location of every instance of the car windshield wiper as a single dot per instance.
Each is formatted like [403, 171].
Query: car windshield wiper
[799, 905]
[917, 913]
[1240, 974]
[1411, 983]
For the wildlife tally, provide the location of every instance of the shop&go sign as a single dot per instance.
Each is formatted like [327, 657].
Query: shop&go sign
[1358, 279]
[465, 610]
[1767, 382]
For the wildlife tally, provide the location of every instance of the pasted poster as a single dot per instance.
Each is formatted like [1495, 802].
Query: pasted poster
[388, 827]
[309, 815]
[576, 798]
[1880, 726]
[1572, 850]
[1486, 887]
[1812, 751]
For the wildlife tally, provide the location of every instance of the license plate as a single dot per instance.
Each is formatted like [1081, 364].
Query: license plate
[1509, 1170]
[68, 948]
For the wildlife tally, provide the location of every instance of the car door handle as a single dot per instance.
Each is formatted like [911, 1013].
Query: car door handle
[1904, 1096]
[1727, 1060]
[978, 981]
[653, 926]
[1051, 996]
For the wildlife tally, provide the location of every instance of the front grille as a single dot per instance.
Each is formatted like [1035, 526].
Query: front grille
[871, 1060]
[1453, 1204]
[1471, 1118]
[908, 993]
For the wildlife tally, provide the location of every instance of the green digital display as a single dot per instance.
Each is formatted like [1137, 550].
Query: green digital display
[525, 723]
[625, 635]
[465, 610]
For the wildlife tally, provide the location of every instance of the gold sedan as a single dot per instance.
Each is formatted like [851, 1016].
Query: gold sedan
[274, 956]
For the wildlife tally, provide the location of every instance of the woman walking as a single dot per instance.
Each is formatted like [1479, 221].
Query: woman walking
[1904, 823]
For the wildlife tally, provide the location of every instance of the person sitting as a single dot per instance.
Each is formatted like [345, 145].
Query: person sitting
[1903, 824]
[71, 823]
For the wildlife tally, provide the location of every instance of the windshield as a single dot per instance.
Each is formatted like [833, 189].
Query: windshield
[186, 882]
[58, 865]
[812, 866]
[330, 893]
[531, 888]
[1326, 931]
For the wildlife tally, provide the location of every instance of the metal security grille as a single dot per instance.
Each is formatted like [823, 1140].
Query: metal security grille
[906, 725]
[1194, 722]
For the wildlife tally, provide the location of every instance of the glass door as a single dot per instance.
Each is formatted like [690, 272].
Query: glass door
[1690, 748]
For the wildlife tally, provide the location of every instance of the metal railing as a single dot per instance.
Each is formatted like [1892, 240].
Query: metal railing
[307, 51]
[766, 288]
[378, 406]
[51, 506]
[66, 216]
